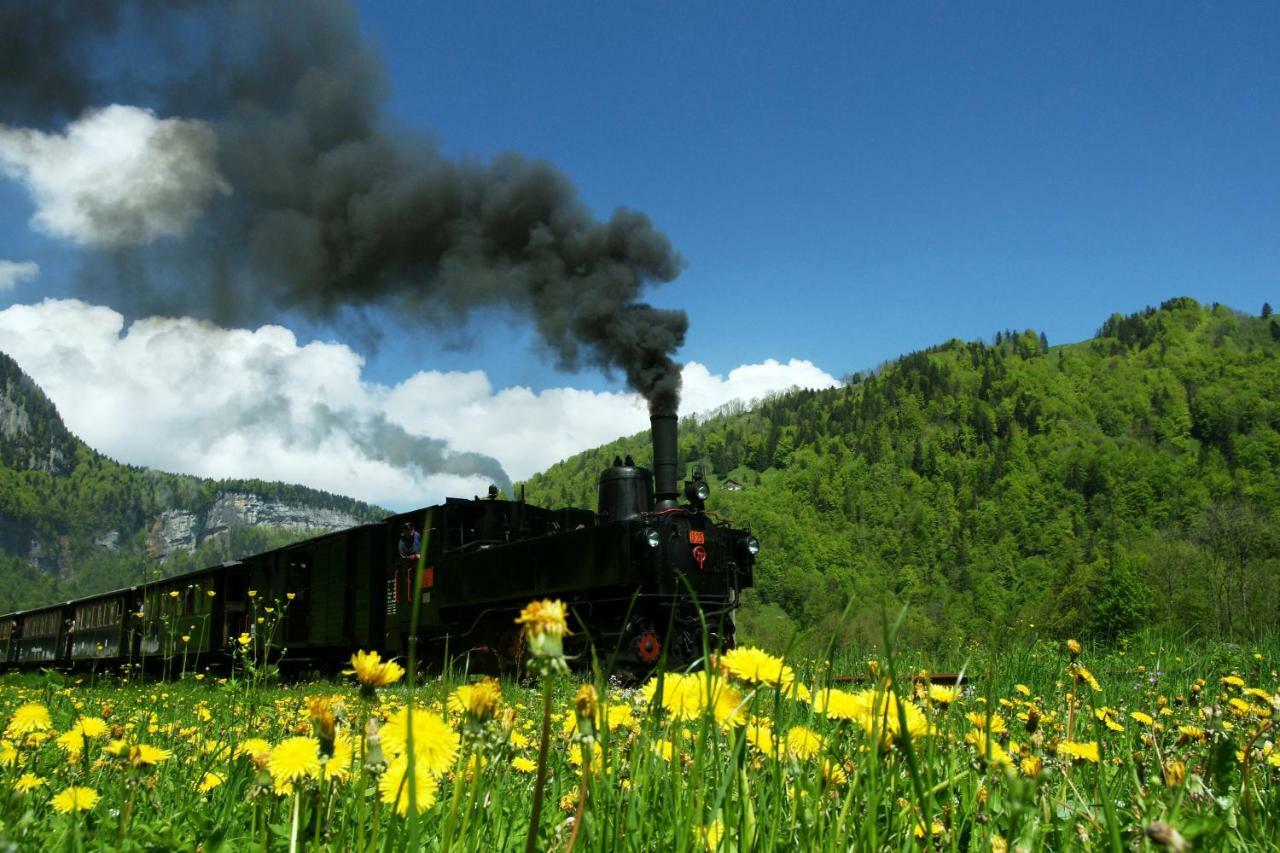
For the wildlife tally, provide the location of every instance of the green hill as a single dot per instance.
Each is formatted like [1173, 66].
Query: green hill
[1095, 488]
[73, 521]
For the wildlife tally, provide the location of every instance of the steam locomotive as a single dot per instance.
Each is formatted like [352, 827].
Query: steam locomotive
[645, 576]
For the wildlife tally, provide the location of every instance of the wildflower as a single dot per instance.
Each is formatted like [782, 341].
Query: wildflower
[394, 786]
[940, 695]
[244, 639]
[1187, 734]
[253, 593]
[803, 743]
[712, 834]
[757, 667]
[1031, 765]
[1174, 771]
[320, 709]
[208, 782]
[760, 735]
[290, 596]
[28, 782]
[211, 593]
[1232, 681]
[833, 773]
[253, 748]
[480, 700]
[1142, 718]
[837, 704]
[989, 750]
[173, 593]
[186, 638]
[1081, 674]
[1106, 716]
[988, 722]
[545, 627]
[292, 759]
[1022, 689]
[1077, 751]
[1073, 646]
[370, 670]
[524, 765]
[75, 799]
[31, 717]
[8, 753]
[435, 743]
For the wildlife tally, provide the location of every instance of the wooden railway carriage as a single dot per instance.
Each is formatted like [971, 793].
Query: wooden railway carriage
[643, 575]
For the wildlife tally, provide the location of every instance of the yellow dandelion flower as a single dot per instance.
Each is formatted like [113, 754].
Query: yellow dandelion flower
[711, 835]
[28, 718]
[1079, 672]
[756, 667]
[1031, 765]
[253, 748]
[75, 799]
[1232, 681]
[803, 743]
[993, 723]
[837, 704]
[1073, 646]
[28, 782]
[394, 786]
[1142, 718]
[371, 671]
[524, 765]
[294, 758]
[833, 773]
[480, 700]
[760, 735]
[989, 750]
[1174, 772]
[209, 781]
[544, 618]
[664, 749]
[338, 766]
[1077, 751]
[8, 753]
[435, 743]
[941, 695]
[1022, 689]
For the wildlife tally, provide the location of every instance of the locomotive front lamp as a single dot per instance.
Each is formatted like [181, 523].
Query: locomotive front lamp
[752, 544]
[696, 491]
[650, 537]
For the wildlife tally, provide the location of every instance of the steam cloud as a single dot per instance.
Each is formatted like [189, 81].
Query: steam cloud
[329, 212]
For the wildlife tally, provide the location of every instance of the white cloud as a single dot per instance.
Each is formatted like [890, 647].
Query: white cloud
[185, 395]
[117, 177]
[13, 273]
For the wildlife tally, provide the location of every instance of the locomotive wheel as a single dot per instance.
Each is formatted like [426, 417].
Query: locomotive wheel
[647, 647]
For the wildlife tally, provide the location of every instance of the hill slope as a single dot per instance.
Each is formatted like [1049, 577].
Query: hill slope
[1091, 488]
[73, 521]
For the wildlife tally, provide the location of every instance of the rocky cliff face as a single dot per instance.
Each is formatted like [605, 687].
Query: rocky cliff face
[182, 530]
[32, 435]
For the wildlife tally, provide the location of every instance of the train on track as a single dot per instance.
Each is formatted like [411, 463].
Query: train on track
[647, 578]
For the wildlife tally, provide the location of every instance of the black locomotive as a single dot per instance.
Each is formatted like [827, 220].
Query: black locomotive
[645, 576]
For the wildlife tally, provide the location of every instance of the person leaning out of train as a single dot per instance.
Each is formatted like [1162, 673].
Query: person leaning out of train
[410, 542]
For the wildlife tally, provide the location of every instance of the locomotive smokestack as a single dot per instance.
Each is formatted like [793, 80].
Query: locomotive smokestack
[665, 449]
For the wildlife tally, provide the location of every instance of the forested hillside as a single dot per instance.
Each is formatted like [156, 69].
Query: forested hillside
[73, 521]
[1094, 488]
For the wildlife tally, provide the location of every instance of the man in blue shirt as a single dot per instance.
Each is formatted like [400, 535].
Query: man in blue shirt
[410, 542]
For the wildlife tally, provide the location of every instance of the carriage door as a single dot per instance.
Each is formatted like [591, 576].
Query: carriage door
[298, 582]
[234, 619]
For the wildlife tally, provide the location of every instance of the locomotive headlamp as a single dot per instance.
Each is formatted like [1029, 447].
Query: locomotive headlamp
[696, 491]
[752, 544]
[649, 536]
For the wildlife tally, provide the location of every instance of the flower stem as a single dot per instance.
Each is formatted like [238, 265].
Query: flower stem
[531, 840]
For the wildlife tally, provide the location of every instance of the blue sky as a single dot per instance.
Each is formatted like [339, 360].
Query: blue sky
[846, 183]
[849, 183]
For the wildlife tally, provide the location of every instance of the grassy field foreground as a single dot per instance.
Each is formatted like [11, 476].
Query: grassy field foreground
[1144, 746]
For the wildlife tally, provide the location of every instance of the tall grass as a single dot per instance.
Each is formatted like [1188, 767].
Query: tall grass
[674, 765]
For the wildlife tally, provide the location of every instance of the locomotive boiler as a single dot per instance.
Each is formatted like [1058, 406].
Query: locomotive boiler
[650, 576]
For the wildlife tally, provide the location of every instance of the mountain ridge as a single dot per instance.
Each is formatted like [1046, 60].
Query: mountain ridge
[73, 521]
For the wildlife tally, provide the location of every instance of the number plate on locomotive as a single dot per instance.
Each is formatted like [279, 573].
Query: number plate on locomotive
[697, 537]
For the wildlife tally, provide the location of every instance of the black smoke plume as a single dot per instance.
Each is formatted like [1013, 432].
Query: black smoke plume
[331, 212]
